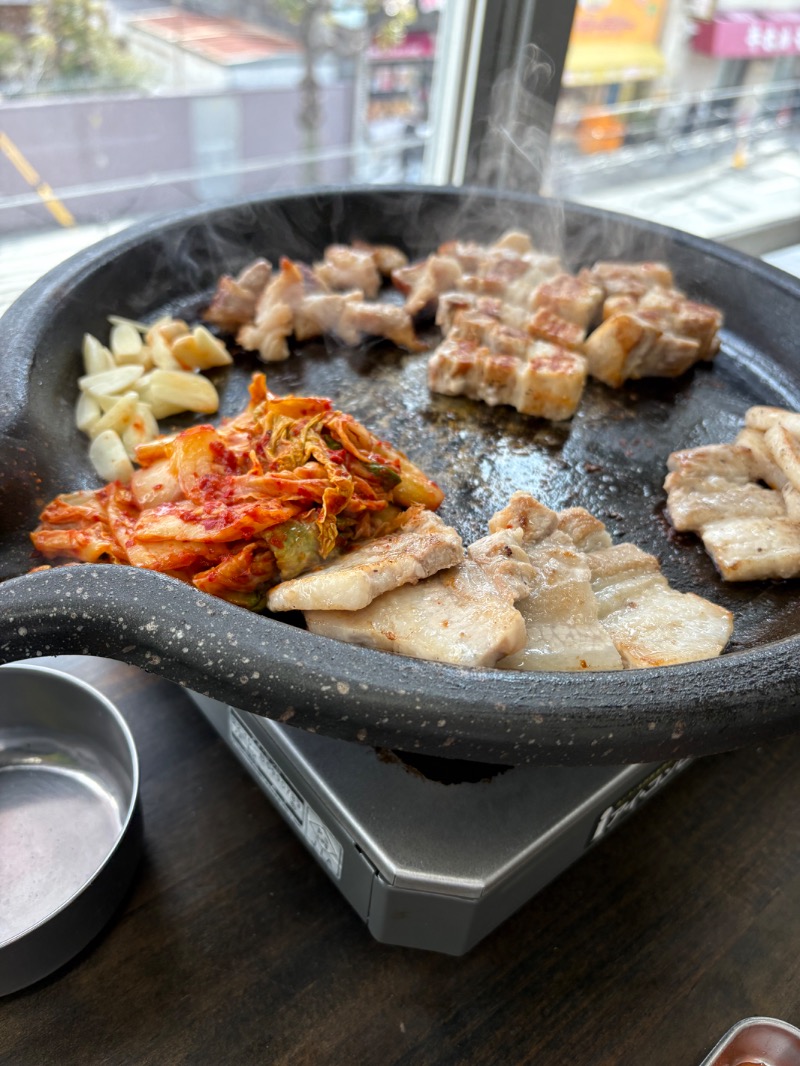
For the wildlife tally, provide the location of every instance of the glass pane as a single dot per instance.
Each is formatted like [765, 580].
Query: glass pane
[684, 113]
[113, 110]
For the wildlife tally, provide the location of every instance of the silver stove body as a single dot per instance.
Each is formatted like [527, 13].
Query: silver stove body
[427, 864]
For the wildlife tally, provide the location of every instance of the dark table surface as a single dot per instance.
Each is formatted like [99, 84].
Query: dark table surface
[234, 947]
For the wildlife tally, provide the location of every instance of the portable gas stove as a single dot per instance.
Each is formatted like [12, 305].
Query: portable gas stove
[431, 853]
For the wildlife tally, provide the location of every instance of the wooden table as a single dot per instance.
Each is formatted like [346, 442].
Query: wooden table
[234, 947]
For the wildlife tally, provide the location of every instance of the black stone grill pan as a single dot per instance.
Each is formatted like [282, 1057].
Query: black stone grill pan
[610, 458]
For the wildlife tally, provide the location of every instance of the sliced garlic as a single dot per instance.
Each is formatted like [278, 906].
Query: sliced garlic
[125, 343]
[142, 428]
[189, 392]
[96, 357]
[119, 415]
[121, 320]
[108, 456]
[200, 350]
[109, 382]
[87, 412]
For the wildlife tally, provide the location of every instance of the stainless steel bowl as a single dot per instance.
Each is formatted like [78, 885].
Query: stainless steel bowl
[70, 823]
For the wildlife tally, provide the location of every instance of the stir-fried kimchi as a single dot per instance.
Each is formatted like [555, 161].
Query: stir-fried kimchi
[238, 508]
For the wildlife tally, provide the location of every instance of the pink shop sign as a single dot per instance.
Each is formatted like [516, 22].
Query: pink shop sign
[740, 35]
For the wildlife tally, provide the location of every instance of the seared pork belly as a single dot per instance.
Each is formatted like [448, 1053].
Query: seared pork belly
[717, 482]
[422, 545]
[360, 319]
[457, 616]
[427, 281]
[273, 321]
[596, 606]
[576, 299]
[546, 381]
[320, 313]
[754, 548]
[628, 347]
[386, 257]
[509, 269]
[489, 318]
[651, 623]
[234, 302]
[743, 499]
[504, 559]
[560, 612]
[345, 267]
[624, 284]
[672, 312]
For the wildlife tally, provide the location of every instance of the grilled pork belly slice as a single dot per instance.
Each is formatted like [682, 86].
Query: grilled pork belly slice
[456, 616]
[422, 545]
[751, 531]
[234, 302]
[596, 606]
[546, 383]
[560, 612]
[715, 483]
[559, 608]
[754, 548]
[651, 623]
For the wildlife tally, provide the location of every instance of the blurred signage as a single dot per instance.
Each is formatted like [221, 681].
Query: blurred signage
[614, 41]
[617, 21]
[413, 46]
[743, 35]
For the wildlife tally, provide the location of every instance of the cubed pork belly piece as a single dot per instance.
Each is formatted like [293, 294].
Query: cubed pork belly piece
[628, 347]
[625, 283]
[674, 313]
[422, 545]
[362, 318]
[386, 257]
[345, 267]
[273, 322]
[579, 300]
[320, 313]
[456, 616]
[438, 274]
[463, 308]
[234, 301]
[651, 623]
[510, 268]
[546, 383]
